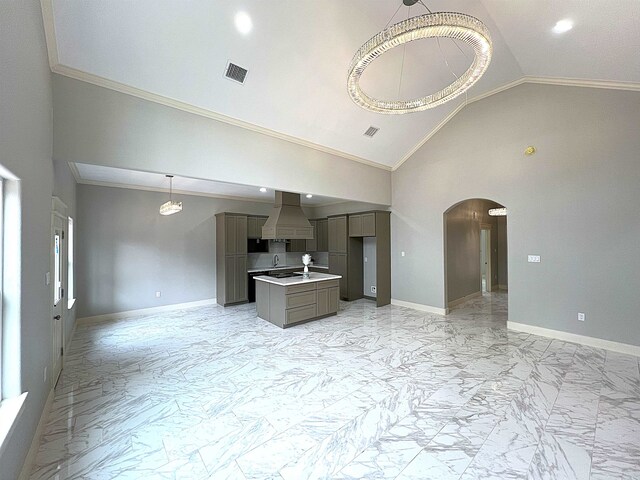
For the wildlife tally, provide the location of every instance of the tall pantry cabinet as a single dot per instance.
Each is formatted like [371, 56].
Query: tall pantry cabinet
[231, 259]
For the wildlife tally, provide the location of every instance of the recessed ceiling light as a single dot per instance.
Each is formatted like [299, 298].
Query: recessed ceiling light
[263, 189]
[309, 195]
[563, 26]
[243, 22]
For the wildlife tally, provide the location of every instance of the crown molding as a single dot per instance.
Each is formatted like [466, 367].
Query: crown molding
[558, 81]
[75, 172]
[202, 112]
[56, 67]
[446, 120]
[580, 82]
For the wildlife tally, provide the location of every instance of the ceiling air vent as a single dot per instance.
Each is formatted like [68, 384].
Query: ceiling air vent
[371, 131]
[235, 72]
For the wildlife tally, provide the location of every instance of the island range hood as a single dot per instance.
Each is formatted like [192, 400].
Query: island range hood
[287, 220]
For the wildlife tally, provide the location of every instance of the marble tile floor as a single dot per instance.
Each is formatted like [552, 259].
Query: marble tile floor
[388, 393]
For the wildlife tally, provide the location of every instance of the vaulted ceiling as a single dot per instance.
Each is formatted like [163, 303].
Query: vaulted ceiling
[298, 51]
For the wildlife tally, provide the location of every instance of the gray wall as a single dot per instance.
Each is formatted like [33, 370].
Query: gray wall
[369, 270]
[503, 249]
[575, 203]
[127, 251]
[462, 231]
[101, 126]
[25, 150]
[64, 187]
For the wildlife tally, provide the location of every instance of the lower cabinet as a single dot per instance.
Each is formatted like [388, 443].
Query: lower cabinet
[287, 305]
[327, 300]
[338, 266]
[235, 279]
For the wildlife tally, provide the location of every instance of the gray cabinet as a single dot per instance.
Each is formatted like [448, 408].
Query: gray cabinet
[312, 245]
[287, 305]
[254, 226]
[235, 228]
[338, 234]
[327, 300]
[322, 228]
[362, 225]
[235, 278]
[297, 246]
[231, 258]
[338, 266]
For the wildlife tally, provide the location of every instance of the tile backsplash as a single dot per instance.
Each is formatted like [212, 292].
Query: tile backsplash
[259, 260]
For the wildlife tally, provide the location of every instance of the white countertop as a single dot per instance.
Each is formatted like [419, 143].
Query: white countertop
[284, 267]
[297, 280]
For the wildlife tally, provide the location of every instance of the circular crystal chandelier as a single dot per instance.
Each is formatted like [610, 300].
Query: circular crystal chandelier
[456, 26]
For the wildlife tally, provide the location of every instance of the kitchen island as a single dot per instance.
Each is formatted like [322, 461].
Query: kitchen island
[289, 301]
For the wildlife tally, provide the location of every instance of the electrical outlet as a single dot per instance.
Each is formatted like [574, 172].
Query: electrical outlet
[373, 289]
[533, 258]
[366, 259]
[158, 294]
[402, 253]
[44, 375]
[581, 316]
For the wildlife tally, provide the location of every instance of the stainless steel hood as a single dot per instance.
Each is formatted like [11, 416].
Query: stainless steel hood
[287, 220]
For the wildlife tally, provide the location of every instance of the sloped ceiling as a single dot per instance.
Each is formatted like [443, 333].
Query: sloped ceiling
[297, 54]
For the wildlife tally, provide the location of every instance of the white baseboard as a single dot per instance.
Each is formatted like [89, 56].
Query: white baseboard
[35, 443]
[419, 306]
[458, 301]
[146, 311]
[575, 338]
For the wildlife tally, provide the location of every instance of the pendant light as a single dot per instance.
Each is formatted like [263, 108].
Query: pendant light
[170, 207]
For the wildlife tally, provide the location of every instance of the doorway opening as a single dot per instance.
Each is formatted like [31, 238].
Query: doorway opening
[475, 244]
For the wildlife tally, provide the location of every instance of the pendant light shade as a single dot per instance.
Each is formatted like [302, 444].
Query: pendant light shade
[170, 207]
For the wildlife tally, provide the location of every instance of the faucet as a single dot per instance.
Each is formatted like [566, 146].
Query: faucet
[275, 260]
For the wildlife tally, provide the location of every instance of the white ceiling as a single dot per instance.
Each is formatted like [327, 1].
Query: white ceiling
[298, 52]
[119, 177]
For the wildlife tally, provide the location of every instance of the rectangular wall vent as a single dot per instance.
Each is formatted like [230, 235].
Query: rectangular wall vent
[236, 73]
[371, 131]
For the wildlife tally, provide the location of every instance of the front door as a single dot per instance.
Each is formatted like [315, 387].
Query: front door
[57, 282]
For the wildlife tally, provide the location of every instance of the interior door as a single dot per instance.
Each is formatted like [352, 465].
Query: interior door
[57, 288]
[485, 258]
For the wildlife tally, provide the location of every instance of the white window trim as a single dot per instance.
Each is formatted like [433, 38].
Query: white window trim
[10, 411]
[71, 262]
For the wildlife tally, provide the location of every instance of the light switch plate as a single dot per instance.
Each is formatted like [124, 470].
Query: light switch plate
[533, 258]
[581, 316]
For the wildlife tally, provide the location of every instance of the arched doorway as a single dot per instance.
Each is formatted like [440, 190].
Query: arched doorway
[475, 244]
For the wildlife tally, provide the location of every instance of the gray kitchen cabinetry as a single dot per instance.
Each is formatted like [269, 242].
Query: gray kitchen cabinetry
[254, 226]
[362, 225]
[297, 246]
[338, 266]
[338, 236]
[322, 229]
[287, 305]
[312, 244]
[231, 258]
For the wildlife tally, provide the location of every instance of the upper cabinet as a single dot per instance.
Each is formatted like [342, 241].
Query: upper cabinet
[235, 234]
[254, 226]
[362, 225]
[322, 229]
[338, 234]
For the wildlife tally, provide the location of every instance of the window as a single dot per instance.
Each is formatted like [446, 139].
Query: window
[71, 294]
[11, 398]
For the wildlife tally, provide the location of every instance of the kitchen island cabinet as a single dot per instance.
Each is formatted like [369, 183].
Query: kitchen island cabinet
[289, 301]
